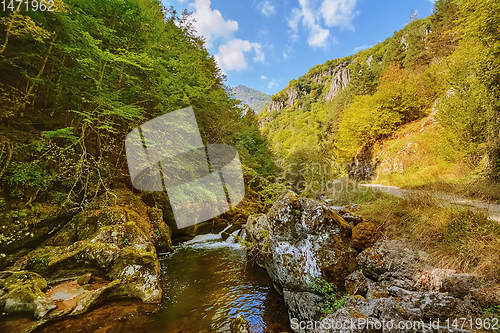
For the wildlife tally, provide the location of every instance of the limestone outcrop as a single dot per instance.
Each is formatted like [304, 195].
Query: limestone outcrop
[298, 240]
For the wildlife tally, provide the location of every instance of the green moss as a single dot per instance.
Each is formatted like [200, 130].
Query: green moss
[40, 262]
[21, 278]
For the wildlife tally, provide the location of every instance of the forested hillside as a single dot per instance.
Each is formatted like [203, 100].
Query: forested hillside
[74, 82]
[443, 68]
[257, 100]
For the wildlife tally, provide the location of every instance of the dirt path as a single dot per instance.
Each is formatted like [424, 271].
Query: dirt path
[493, 210]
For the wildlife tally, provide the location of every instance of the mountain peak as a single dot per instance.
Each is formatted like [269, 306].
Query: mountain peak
[257, 100]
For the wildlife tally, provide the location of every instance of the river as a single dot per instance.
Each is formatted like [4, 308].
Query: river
[206, 281]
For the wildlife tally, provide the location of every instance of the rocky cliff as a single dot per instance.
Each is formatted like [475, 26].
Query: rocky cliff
[335, 77]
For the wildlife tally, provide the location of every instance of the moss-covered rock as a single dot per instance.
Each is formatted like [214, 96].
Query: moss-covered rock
[304, 240]
[18, 279]
[25, 228]
[162, 233]
[365, 235]
[113, 238]
[84, 279]
[27, 297]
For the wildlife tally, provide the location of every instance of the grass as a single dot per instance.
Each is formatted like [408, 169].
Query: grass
[418, 157]
[459, 238]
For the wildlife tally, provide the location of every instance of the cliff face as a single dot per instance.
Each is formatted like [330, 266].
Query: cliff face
[337, 77]
[341, 76]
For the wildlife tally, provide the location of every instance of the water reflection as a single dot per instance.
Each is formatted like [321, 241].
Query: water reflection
[210, 282]
[207, 282]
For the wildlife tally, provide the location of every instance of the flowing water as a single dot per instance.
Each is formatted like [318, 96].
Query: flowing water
[207, 282]
[210, 281]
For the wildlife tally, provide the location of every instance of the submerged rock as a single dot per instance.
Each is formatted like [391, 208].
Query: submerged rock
[239, 325]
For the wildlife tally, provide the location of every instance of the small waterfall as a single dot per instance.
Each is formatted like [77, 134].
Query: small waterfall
[216, 240]
[237, 236]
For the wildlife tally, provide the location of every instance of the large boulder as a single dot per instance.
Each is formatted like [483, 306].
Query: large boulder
[25, 294]
[393, 259]
[113, 238]
[308, 240]
[302, 239]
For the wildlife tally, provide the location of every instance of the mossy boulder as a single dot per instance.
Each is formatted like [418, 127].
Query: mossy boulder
[258, 241]
[113, 238]
[25, 295]
[84, 279]
[162, 233]
[18, 279]
[305, 239]
[365, 235]
[26, 228]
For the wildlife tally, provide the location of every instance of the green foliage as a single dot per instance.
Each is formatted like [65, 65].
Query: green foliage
[332, 301]
[40, 260]
[65, 133]
[88, 73]
[493, 309]
[19, 213]
[26, 174]
[58, 197]
[396, 102]
[280, 97]
[126, 242]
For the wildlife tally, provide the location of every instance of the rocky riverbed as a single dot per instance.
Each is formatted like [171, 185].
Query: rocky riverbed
[301, 240]
[109, 251]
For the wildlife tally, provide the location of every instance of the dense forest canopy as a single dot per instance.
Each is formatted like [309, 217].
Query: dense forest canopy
[75, 81]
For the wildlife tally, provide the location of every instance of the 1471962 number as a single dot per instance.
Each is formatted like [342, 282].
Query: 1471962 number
[33, 5]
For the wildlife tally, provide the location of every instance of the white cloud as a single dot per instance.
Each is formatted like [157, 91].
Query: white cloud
[318, 36]
[266, 8]
[210, 23]
[294, 21]
[314, 14]
[287, 51]
[359, 48]
[263, 77]
[231, 55]
[272, 84]
[339, 13]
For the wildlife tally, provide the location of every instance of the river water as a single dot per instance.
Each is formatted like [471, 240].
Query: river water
[210, 281]
[206, 281]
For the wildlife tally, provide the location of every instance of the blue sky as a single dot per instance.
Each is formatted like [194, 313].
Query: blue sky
[264, 44]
